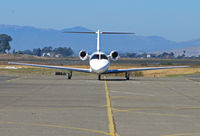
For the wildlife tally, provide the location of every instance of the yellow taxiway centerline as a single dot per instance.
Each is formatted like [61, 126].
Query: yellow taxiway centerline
[55, 126]
[112, 130]
[187, 79]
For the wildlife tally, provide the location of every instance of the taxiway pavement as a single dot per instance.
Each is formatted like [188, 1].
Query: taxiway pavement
[52, 105]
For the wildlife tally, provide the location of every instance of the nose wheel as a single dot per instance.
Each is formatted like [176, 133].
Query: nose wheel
[127, 76]
[69, 75]
[99, 77]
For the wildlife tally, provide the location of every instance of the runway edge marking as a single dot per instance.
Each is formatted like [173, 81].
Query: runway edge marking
[112, 130]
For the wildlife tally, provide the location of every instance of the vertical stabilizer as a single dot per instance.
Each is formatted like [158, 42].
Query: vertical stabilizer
[98, 40]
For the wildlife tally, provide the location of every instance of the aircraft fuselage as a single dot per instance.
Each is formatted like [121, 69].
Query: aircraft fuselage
[99, 62]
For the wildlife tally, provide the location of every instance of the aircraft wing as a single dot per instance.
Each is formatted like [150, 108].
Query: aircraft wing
[141, 69]
[53, 67]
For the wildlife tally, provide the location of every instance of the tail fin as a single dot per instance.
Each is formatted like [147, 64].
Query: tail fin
[98, 35]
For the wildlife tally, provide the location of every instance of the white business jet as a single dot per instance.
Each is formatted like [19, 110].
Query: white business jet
[99, 61]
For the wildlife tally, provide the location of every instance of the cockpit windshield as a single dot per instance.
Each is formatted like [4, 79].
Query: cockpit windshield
[99, 56]
[103, 56]
[96, 56]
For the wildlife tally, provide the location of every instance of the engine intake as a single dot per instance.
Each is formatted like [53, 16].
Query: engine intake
[83, 55]
[114, 55]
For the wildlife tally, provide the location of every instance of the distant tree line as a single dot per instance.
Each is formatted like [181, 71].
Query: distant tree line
[48, 52]
[149, 55]
[163, 55]
[4, 43]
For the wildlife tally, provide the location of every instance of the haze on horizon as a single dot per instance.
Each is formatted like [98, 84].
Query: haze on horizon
[176, 20]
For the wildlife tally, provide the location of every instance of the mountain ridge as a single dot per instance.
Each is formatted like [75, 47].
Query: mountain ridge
[28, 37]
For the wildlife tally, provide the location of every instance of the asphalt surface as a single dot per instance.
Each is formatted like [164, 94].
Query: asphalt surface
[52, 105]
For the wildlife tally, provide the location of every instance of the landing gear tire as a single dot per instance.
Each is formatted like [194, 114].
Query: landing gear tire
[69, 75]
[127, 76]
[99, 77]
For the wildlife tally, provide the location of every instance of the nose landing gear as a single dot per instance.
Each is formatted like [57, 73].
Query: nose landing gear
[99, 77]
[127, 76]
[69, 75]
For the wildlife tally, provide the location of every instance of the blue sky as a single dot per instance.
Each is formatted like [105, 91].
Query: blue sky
[177, 20]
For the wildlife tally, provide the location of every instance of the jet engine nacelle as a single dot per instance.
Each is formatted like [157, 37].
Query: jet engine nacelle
[114, 55]
[83, 55]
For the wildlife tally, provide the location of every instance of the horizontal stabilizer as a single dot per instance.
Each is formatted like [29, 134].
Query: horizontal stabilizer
[98, 35]
[116, 33]
[81, 32]
[99, 32]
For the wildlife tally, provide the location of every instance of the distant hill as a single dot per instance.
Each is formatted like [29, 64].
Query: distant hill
[26, 37]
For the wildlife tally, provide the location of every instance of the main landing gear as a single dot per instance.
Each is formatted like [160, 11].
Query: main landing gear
[69, 75]
[127, 76]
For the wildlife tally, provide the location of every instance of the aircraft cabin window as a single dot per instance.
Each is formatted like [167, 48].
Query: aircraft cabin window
[104, 56]
[96, 56]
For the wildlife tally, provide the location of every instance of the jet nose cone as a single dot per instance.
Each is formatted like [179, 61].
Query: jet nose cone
[100, 66]
[96, 67]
